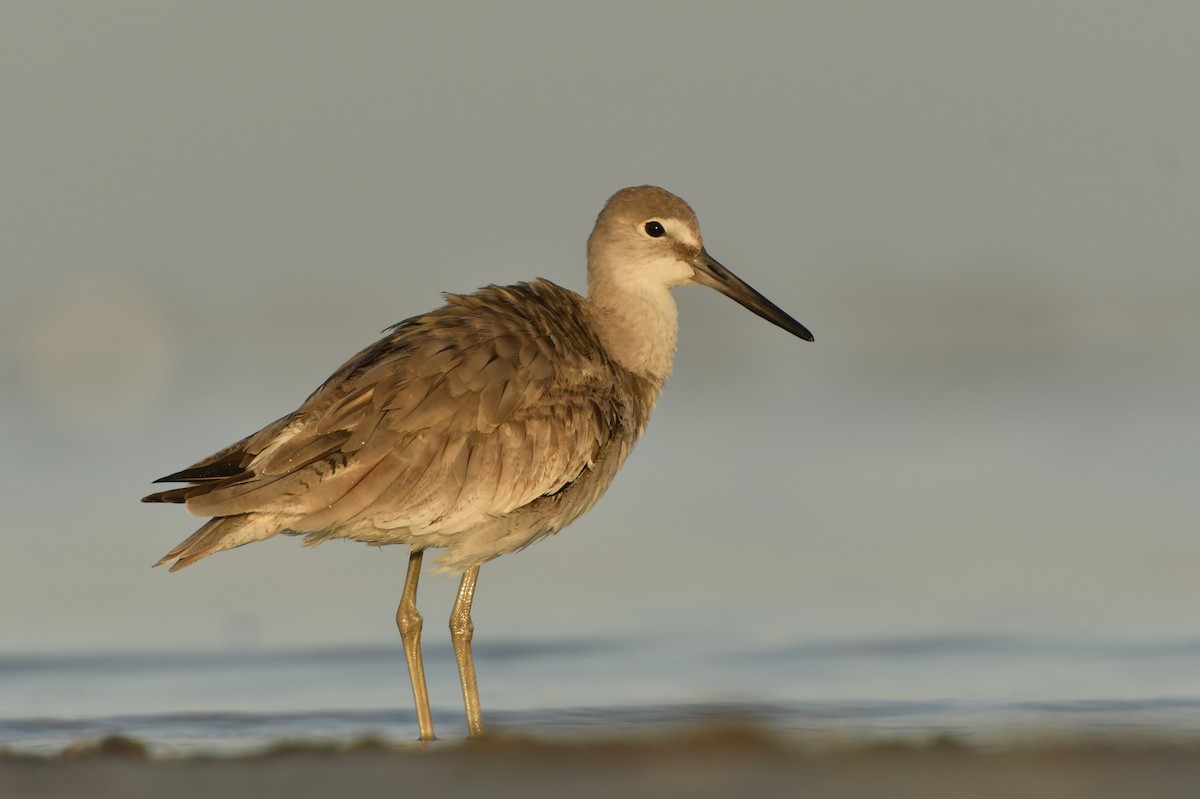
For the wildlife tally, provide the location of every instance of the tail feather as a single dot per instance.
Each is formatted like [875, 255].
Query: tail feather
[175, 495]
[223, 532]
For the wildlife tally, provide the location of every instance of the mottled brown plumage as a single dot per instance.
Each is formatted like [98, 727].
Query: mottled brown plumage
[477, 428]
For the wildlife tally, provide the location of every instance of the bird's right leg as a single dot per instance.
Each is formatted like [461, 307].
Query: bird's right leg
[409, 621]
[461, 631]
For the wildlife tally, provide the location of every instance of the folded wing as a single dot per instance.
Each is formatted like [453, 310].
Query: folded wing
[463, 414]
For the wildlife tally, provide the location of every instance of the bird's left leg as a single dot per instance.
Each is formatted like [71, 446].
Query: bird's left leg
[410, 623]
[461, 630]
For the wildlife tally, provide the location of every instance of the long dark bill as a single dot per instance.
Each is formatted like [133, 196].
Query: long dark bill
[709, 272]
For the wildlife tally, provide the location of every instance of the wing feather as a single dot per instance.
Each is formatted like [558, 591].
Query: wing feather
[470, 412]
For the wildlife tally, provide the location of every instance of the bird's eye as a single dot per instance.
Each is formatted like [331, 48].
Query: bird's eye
[655, 229]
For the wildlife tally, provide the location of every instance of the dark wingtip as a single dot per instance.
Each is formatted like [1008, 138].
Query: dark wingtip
[230, 466]
[178, 477]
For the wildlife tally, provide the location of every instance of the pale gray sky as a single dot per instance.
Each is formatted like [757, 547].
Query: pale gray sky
[986, 212]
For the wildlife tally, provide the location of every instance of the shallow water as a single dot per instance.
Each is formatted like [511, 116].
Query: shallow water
[986, 691]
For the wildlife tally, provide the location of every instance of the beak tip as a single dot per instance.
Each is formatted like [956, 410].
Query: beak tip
[801, 332]
[709, 272]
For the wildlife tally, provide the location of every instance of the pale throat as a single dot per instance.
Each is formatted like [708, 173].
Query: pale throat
[638, 328]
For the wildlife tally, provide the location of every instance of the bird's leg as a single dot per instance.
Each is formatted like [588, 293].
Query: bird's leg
[461, 630]
[409, 621]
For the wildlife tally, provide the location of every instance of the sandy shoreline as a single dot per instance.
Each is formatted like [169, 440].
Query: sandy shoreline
[714, 762]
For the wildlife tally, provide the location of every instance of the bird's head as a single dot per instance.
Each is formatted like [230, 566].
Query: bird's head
[647, 240]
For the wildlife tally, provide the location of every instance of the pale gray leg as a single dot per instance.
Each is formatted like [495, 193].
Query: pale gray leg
[461, 630]
[409, 622]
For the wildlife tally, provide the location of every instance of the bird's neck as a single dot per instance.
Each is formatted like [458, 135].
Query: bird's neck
[638, 328]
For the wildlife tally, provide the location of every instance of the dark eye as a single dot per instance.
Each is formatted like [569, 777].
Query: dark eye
[655, 229]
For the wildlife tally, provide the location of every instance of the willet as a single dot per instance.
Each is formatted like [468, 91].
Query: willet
[477, 428]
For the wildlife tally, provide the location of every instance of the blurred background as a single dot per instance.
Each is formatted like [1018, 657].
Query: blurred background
[986, 213]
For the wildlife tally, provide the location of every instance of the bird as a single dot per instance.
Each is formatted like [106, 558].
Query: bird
[477, 428]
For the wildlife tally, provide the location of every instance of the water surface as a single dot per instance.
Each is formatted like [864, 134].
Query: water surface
[987, 691]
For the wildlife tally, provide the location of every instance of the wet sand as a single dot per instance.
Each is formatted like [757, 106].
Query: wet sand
[712, 762]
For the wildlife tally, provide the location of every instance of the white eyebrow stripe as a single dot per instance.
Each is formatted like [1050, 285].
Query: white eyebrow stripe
[682, 231]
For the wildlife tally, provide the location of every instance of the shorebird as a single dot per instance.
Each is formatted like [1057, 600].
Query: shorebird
[477, 428]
